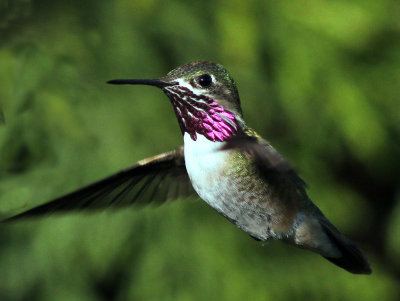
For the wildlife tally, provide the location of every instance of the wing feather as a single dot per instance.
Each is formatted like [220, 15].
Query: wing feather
[157, 179]
[270, 164]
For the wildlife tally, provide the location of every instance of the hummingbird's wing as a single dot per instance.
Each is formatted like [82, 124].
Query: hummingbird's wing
[284, 183]
[270, 164]
[288, 186]
[152, 180]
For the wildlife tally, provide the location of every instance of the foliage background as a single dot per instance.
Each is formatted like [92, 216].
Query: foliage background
[319, 79]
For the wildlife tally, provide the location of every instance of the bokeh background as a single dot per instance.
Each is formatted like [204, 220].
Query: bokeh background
[319, 79]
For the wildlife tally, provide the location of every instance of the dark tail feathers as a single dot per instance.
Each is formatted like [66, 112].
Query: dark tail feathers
[352, 259]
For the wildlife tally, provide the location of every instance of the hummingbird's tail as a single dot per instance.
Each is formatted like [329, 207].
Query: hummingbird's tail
[351, 258]
[317, 234]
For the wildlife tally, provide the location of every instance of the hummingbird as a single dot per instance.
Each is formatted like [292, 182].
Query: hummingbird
[224, 162]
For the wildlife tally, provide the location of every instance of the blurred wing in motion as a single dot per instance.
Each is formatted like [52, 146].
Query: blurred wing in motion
[270, 164]
[287, 185]
[152, 180]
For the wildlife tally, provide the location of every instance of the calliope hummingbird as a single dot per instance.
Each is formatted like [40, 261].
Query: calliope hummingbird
[226, 163]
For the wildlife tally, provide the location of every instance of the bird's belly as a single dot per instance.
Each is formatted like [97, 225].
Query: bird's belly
[235, 195]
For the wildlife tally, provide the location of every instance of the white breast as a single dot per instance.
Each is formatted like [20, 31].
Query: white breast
[206, 165]
[204, 161]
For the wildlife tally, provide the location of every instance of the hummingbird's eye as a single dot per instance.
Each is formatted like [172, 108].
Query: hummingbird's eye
[205, 80]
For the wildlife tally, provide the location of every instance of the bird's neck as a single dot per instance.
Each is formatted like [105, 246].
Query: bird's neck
[199, 114]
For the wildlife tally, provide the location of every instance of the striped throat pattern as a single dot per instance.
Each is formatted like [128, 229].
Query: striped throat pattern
[200, 114]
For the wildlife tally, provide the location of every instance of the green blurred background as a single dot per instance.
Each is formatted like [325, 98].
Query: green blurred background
[319, 79]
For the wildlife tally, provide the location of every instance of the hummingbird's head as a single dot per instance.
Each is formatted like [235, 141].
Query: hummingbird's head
[209, 79]
[204, 97]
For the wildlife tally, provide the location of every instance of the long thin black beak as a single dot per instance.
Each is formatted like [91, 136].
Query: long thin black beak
[149, 82]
